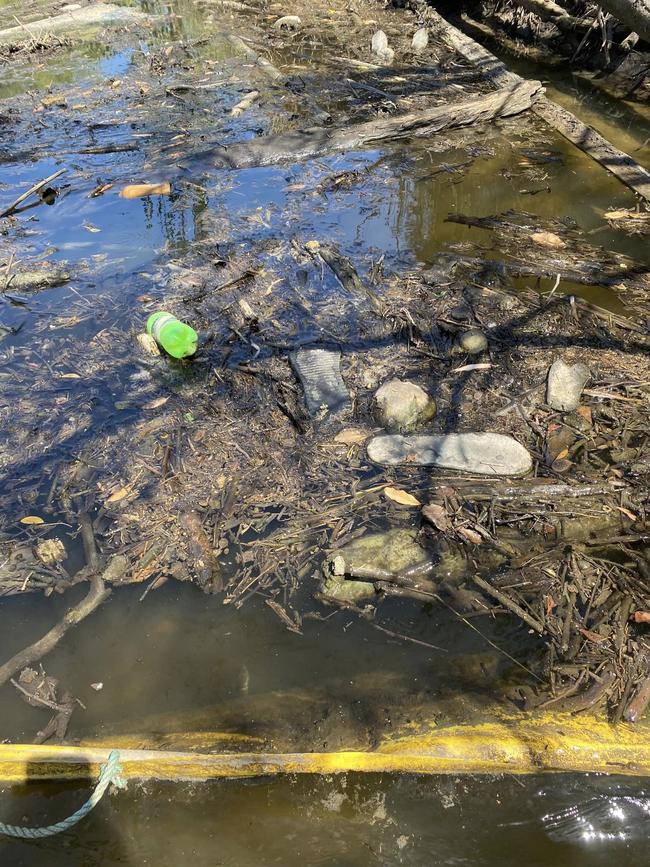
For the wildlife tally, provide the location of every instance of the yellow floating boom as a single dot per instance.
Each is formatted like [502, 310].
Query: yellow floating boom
[516, 746]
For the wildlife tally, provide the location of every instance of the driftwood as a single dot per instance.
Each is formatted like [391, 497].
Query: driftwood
[301, 145]
[23, 196]
[567, 124]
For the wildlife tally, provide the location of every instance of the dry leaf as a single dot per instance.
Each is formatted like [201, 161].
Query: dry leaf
[154, 404]
[32, 519]
[119, 495]
[90, 228]
[312, 246]
[641, 617]
[401, 497]
[627, 513]
[595, 637]
[469, 535]
[70, 376]
[437, 516]
[97, 686]
[561, 455]
[547, 239]
[585, 413]
[351, 436]
[138, 191]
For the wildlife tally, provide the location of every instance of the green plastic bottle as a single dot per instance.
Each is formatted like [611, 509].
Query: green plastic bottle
[176, 338]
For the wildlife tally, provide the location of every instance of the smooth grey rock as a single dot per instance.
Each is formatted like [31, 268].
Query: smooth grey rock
[488, 454]
[379, 41]
[420, 39]
[402, 406]
[473, 341]
[565, 383]
[319, 371]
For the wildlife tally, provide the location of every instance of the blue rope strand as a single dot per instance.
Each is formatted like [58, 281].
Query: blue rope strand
[109, 773]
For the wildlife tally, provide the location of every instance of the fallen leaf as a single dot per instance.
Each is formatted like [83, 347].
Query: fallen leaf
[119, 495]
[293, 188]
[70, 376]
[312, 246]
[401, 497]
[90, 228]
[592, 636]
[138, 191]
[437, 516]
[97, 686]
[32, 519]
[469, 535]
[154, 404]
[641, 617]
[351, 436]
[627, 513]
[585, 413]
[561, 455]
[550, 604]
[547, 239]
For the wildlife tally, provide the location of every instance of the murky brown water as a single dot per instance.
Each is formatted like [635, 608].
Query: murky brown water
[179, 650]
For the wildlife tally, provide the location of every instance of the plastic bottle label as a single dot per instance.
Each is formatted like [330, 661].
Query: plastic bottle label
[159, 324]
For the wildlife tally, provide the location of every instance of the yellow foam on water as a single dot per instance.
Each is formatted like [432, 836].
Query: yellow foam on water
[516, 745]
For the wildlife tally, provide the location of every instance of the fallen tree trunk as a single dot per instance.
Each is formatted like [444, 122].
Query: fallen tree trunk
[550, 11]
[567, 124]
[300, 145]
[634, 13]
[91, 16]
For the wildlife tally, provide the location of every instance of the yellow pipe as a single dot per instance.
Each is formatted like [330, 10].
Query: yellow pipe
[516, 746]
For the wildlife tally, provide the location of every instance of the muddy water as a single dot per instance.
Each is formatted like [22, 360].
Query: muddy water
[179, 651]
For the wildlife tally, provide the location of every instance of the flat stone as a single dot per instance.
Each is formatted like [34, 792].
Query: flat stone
[488, 454]
[402, 406]
[319, 371]
[564, 384]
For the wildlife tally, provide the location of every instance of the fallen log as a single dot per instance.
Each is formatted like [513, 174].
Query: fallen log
[316, 141]
[567, 124]
[100, 14]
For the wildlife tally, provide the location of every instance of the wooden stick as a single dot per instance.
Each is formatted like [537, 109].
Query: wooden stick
[506, 601]
[12, 207]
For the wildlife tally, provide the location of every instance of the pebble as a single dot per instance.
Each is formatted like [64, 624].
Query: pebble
[288, 22]
[402, 406]
[420, 39]
[473, 342]
[488, 454]
[564, 385]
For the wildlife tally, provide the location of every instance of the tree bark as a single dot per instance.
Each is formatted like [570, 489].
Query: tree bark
[634, 13]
